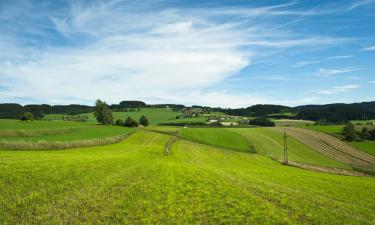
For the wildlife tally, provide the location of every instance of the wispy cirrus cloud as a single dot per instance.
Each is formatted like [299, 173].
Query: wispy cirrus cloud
[360, 3]
[305, 63]
[341, 57]
[338, 89]
[323, 72]
[370, 48]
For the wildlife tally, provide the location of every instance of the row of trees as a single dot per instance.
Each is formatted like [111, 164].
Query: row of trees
[130, 122]
[350, 134]
[264, 122]
[104, 115]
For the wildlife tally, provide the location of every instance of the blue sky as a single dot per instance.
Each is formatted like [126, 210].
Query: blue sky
[217, 53]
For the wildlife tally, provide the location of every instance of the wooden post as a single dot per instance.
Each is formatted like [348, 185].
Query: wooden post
[285, 148]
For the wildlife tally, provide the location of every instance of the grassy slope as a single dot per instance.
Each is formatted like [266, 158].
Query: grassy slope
[270, 143]
[218, 137]
[71, 131]
[134, 182]
[91, 132]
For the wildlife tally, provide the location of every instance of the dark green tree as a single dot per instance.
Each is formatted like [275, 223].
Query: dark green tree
[365, 133]
[27, 116]
[143, 121]
[349, 132]
[264, 122]
[102, 113]
[372, 135]
[129, 122]
[119, 122]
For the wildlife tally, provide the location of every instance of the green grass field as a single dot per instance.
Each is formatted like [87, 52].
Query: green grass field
[134, 182]
[218, 137]
[15, 134]
[366, 146]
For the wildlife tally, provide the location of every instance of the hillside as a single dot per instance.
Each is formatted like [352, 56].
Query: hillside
[135, 182]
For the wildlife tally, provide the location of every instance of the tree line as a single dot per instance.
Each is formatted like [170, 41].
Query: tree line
[103, 115]
[351, 134]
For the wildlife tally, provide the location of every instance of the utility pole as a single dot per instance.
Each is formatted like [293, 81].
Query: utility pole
[285, 148]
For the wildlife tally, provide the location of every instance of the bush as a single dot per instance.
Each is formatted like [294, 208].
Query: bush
[129, 122]
[119, 122]
[143, 121]
[27, 116]
[264, 122]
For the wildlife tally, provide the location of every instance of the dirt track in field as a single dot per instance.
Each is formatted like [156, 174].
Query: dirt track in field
[330, 146]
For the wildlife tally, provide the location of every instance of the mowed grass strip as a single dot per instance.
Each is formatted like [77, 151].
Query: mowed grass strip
[218, 137]
[271, 143]
[133, 182]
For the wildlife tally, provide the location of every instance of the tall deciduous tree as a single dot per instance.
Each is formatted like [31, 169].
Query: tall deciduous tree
[102, 113]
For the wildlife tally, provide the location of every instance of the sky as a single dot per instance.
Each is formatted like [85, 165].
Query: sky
[226, 53]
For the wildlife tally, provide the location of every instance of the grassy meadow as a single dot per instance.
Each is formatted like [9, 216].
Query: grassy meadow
[133, 182]
[210, 176]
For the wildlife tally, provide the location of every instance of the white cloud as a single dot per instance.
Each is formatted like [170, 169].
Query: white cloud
[341, 57]
[360, 3]
[339, 89]
[115, 51]
[370, 48]
[305, 63]
[331, 72]
[372, 82]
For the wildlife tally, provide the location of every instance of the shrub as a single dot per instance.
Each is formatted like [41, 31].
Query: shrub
[264, 122]
[129, 122]
[119, 122]
[143, 121]
[27, 116]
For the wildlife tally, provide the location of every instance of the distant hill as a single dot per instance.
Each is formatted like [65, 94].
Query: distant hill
[333, 113]
[339, 112]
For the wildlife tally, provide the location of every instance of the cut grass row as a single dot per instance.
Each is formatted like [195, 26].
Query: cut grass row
[336, 131]
[271, 143]
[333, 148]
[133, 182]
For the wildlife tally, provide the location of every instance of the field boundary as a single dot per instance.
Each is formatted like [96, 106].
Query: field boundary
[60, 145]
